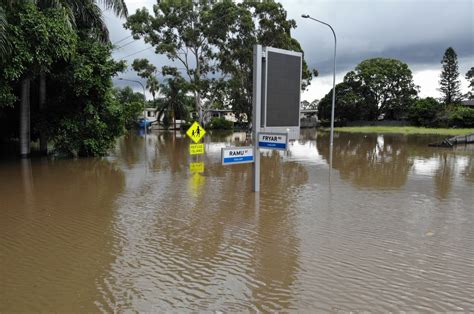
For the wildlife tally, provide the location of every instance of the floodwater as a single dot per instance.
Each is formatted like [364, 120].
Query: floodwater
[390, 227]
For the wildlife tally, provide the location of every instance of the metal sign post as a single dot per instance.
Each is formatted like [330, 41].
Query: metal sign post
[257, 105]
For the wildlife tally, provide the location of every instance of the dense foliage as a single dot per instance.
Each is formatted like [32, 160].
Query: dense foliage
[132, 105]
[377, 87]
[426, 112]
[460, 116]
[55, 74]
[84, 118]
[220, 124]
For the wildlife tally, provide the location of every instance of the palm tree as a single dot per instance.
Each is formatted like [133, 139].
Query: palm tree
[153, 85]
[174, 103]
[4, 44]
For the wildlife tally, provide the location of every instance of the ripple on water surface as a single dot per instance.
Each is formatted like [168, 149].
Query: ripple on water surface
[389, 229]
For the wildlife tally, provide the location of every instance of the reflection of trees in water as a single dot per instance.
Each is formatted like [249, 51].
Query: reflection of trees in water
[65, 233]
[308, 135]
[171, 153]
[468, 172]
[369, 160]
[130, 148]
[276, 252]
[443, 178]
[222, 230]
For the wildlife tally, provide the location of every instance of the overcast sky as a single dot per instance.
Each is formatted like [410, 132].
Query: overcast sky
[415, 32]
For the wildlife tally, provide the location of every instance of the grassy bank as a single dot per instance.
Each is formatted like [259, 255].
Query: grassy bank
[404, 130]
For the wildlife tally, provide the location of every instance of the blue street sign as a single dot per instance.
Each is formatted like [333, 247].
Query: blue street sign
[236, 155]
[273, 140]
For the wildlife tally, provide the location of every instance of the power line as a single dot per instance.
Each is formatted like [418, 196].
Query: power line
[135, 53]
[122, 39]
[129, 43]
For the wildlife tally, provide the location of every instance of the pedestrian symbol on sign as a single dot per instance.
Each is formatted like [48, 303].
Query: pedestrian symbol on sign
[196, 132]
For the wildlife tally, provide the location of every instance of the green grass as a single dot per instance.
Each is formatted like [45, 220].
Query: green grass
[404, 130]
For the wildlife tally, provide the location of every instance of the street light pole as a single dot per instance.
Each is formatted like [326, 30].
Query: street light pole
[306, 16]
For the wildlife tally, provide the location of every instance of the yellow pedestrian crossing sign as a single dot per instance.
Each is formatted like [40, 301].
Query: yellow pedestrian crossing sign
[196, 132]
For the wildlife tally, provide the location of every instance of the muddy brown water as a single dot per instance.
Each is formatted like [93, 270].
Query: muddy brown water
[390, 227]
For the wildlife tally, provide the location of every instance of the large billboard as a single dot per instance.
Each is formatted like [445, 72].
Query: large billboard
[281, 88]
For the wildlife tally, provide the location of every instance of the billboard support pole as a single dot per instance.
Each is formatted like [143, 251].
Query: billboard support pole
[256, 120]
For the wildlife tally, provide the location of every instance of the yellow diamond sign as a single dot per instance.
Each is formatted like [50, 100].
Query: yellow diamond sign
[196, 132]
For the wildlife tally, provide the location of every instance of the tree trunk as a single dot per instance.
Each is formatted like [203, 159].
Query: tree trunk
[197, 100]
[25, 118]
[42, 104]
[174, 122]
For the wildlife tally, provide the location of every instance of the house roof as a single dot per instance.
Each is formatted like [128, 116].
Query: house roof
[469, 102]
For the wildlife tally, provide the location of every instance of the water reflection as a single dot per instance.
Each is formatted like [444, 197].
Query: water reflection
[142, 232]
[201, 239]
[55, 234]
[369, 160]
[385, 161]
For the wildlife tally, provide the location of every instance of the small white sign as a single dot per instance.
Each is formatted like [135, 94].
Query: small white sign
[273, 140]
[237, 155]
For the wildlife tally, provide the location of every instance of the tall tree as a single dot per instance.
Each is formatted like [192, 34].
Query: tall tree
[386, 84]
[236, 27]
[84, 116]
[213, 40]
[87, 16]
[175, 103]
[132, 104]
[41, 38]
[148, 71]
[84, 14]
[449, 79]
[350, 105]
[470, 79]
[179, 29]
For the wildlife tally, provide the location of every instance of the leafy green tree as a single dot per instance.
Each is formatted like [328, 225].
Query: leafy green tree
[470, 79]
[148, 71]
[41, 38]
[85, 16]
[386, 84]
[350, 105]
[236, 27]
[213, 41]
[425, 112]
[180, 30]
[131, 103]
[449, 79]
[71, 15]
[84, 117]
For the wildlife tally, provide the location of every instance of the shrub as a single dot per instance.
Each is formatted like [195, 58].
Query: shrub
[425, 112]
[220, 124]
[462, 117]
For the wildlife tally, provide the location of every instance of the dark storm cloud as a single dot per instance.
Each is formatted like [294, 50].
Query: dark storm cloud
[416, 32]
